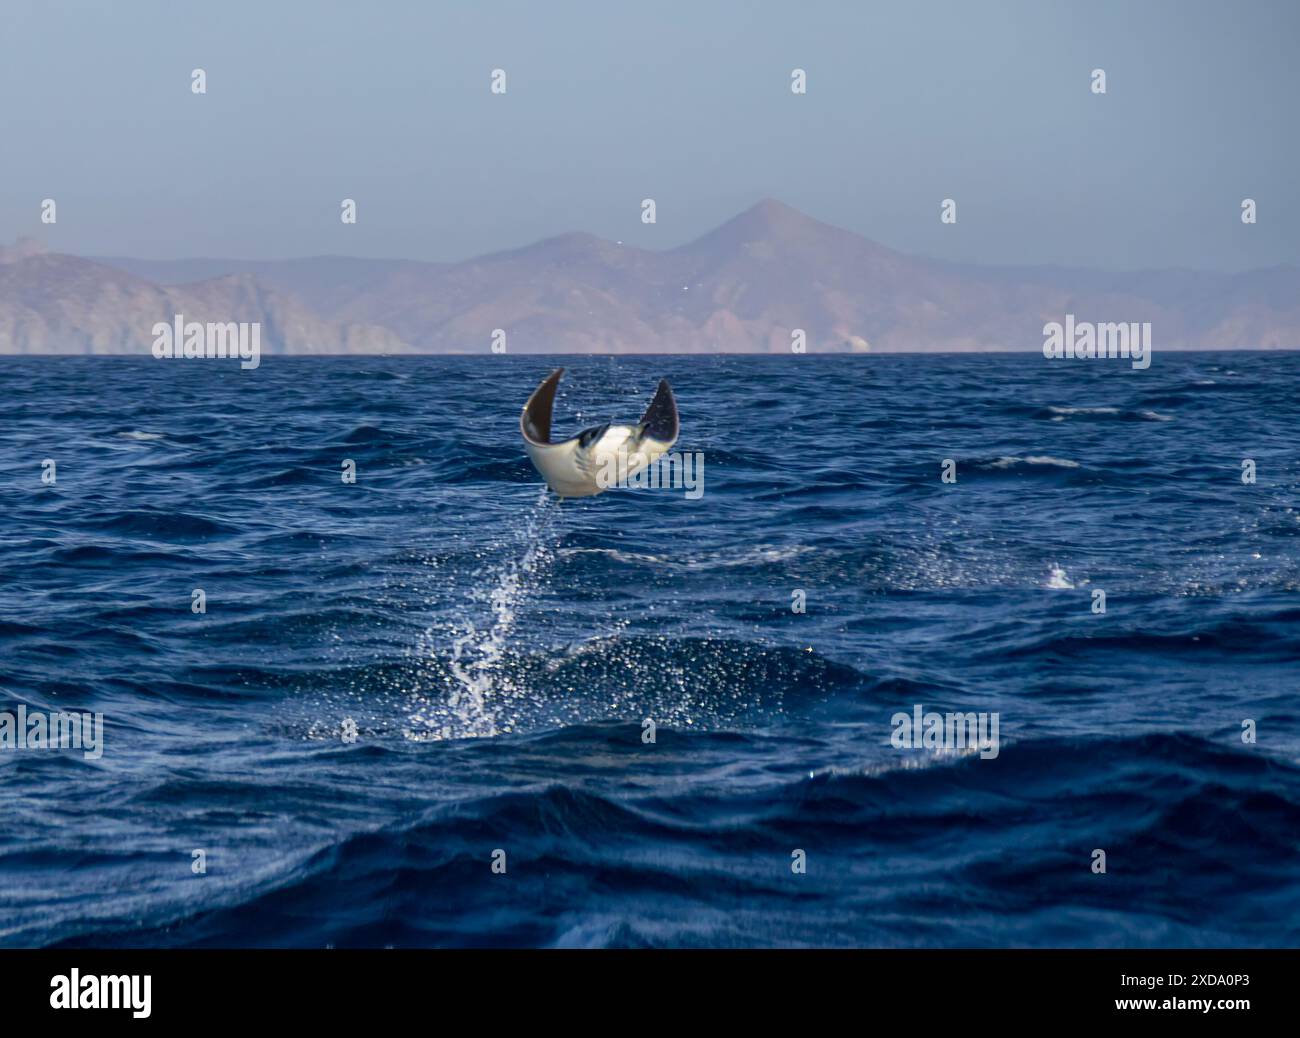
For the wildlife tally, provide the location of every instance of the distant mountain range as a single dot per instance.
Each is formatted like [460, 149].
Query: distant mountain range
[740, 288]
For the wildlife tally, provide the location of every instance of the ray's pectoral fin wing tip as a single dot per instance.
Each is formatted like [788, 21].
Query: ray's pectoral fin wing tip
[535, 420]
[660, 419]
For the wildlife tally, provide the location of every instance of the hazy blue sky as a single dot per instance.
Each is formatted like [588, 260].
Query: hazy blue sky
[689, 103]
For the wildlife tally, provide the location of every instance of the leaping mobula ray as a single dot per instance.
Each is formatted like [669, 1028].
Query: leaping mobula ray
[579, 466]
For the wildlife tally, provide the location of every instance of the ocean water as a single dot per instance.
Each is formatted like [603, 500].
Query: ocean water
[397, 678]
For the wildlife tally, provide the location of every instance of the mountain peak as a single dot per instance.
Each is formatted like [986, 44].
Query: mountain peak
[574, 245]
[773, 215]
[771, 208]
[770, 224]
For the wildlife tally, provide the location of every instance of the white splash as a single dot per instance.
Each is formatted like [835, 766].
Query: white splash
[481, 689]
[1007, 461]
[1058, 579]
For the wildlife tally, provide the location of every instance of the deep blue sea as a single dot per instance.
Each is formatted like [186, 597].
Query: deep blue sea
[396, 679]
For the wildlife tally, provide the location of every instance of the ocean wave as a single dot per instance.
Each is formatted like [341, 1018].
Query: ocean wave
[1057, 413]
[1030, 462]
[1195, 819]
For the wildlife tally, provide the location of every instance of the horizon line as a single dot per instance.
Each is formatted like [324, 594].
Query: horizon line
[1031, 351]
